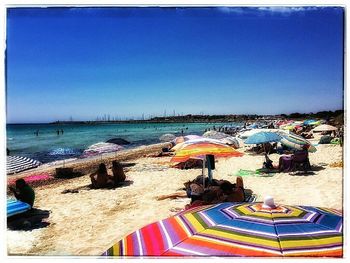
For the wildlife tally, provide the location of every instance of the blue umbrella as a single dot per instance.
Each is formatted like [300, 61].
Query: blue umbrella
[263, 137]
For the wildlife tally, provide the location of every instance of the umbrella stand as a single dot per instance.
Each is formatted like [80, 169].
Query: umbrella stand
[265, 152]
[210, 172]
[204, 159]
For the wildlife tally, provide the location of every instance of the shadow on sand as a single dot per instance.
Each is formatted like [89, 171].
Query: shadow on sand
[32, 219]
[89, 187]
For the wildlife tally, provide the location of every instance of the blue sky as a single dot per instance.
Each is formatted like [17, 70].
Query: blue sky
[87, 62]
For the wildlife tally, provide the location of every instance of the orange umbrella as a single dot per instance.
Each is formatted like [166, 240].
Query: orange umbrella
[204, 148]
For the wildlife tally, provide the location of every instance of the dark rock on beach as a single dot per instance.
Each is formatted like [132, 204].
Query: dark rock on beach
[119, 141]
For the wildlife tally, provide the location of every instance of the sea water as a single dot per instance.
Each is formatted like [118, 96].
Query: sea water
[50, 146]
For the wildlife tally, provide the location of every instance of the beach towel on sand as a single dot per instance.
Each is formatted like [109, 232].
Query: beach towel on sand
[259, 172]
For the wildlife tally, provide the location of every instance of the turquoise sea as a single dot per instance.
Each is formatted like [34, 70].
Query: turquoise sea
[49, 146]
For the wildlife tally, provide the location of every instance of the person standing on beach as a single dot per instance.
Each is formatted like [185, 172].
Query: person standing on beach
[62, 132]
[58, 132]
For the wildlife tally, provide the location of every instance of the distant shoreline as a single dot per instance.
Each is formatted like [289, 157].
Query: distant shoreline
[202, 118]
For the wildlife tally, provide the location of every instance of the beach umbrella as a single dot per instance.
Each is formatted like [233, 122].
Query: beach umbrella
[186, 138]
[231, 141]
[263, 137]
[239, 230]
[246, 134]
[167, 137]
[296, 142]
[192, 137]
[325, 127]
[215, 135]
[253, 126]
[307, 122]
[311, 122]
[17, 164]
[100, 148]
[196, 140]
[203, 148]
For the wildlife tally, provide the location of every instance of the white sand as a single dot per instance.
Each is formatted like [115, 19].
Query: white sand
[89, 222]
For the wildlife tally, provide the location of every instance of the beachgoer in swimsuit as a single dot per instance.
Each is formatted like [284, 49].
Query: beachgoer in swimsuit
[118, 173]
[101, 178]
[235, 192]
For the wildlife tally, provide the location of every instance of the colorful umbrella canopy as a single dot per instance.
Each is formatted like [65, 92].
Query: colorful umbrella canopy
[263, 137]
[311, 122]
[295, 142]
[196, 140]
[325, 127]
[239, 229]
[196, 148]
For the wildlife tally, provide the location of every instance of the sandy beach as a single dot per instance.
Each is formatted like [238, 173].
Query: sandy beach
[89, 221]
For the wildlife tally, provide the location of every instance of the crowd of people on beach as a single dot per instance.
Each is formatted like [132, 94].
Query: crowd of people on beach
[205, 191]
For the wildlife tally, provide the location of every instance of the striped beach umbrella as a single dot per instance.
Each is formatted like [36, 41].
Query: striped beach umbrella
[239, 230]
[295, 141]
[199, 148]
[325, 127]
[16, 164]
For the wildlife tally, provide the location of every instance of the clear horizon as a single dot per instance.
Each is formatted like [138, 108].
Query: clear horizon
[82, 63]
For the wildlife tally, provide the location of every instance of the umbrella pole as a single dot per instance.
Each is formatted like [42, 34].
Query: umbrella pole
[210, 176]
[203, 172]
[265, 152]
